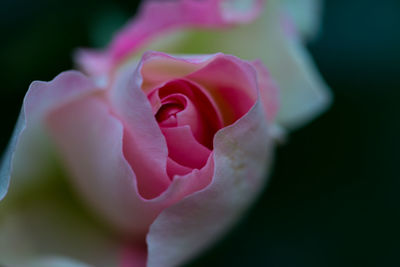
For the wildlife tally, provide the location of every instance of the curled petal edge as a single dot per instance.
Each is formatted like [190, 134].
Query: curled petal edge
[155, 17]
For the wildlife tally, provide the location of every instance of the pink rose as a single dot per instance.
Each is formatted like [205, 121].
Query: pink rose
[168, 150]
[172, 152]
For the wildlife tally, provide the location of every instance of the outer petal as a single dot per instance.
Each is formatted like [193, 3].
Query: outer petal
[157, 16]
[89, 139]
[29, 155]
[39, 211]
[6, 161]
[243, 152]
[144, 145]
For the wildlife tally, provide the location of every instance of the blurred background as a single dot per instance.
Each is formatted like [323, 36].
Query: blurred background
[333, 198]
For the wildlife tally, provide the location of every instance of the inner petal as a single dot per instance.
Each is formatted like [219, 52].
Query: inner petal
[184, 149]
[188, 120]
[166, 114]
[180, 102]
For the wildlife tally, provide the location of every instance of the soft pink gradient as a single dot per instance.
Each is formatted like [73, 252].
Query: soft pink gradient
[156, 17]
[155, 138]
[198, 102]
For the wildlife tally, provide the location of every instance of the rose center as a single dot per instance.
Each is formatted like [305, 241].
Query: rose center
[188, 119]
[180, 103]
[166, 115]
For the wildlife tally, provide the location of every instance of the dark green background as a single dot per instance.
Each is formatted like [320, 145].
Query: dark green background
[333, 198]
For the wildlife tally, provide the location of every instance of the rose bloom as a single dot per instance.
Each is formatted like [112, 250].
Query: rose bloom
[165, 150]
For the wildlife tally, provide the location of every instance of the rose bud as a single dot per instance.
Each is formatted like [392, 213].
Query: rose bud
[166, 151]
[170, 155]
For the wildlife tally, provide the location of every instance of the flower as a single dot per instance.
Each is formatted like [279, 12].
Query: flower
[168, 149]
[157, 136]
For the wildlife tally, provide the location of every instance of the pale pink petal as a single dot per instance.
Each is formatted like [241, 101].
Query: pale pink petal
[156, 17]
[29, 155]
[92, 62]
[144, 145]
[233, 97]
[90, 141]
[159, 68]
[6, 159]
[185, 229]
[37, 214]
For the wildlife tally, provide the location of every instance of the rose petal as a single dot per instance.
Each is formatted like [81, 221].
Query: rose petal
[174, 168]
[233, 97]
[155, 17]
[39, 214]
[29, 155]
[159, 68]
[6, 160]
[144, 145]
[184, 149]
[181, 231]
[90, 141]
